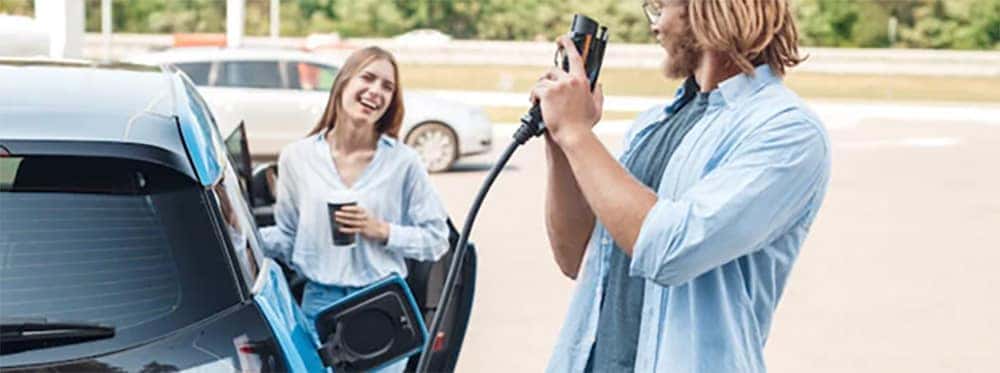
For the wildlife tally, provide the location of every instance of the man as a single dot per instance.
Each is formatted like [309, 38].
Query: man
[683, 245]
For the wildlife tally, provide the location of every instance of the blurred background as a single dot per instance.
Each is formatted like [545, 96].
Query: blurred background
[899, 272]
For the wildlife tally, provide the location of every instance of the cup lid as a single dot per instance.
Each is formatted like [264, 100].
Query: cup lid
[342, 196]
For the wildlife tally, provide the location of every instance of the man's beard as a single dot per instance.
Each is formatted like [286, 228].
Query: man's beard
[683, 54]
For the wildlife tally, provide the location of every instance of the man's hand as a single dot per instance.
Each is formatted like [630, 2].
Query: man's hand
[355, 219]
[569, 108]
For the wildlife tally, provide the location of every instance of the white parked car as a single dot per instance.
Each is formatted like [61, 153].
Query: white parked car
[22, 37]
[281, 94]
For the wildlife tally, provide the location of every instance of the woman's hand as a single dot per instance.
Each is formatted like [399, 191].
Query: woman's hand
[355, 219]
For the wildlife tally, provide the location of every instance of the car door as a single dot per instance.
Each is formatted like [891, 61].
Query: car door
[266, 284]
[425, 279]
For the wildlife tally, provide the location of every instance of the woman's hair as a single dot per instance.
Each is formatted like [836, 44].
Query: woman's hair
[750, 32]
[391, 120]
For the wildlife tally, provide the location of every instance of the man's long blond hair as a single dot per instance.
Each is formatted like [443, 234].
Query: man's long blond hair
[749, 32]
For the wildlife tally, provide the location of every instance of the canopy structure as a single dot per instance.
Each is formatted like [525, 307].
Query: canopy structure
[65, 20]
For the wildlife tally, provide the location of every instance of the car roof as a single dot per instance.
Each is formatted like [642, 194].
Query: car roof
[120, 110]
[202, 54]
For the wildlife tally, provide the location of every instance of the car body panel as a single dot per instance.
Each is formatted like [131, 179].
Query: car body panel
[214, 343]
[64, 94]
[74, 110]
[202, 142]
[286, 319]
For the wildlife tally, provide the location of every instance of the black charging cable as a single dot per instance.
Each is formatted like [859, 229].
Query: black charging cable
[459, 255]
[590, 40]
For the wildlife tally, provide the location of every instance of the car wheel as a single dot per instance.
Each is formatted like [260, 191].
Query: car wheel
[437, 145]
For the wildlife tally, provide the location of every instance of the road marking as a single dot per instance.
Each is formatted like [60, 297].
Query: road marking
[912, 142]
[932, 142]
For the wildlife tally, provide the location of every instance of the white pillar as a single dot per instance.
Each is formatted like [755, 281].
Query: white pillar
[893, 24]
[64, 20]
[235, 11]
[106, 28]
[275, 18]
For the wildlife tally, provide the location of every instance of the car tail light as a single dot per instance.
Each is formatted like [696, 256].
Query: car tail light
[247, 357]
[438, 342]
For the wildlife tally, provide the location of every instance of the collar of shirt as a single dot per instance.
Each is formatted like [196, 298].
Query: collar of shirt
[383, 140]
[729, 93]
[738, 88]
[383, 145]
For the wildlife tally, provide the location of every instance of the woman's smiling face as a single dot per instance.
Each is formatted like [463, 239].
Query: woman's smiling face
[369, 93]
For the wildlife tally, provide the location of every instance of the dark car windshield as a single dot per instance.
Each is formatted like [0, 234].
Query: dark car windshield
[117, 242]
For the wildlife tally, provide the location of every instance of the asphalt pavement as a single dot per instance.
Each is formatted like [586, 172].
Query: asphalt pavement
[899, 273]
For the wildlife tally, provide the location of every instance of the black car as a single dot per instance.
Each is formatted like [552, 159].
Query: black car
[128, 241]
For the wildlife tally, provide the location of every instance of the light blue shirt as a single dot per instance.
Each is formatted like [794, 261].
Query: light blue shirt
[394, 187]
[735, 204]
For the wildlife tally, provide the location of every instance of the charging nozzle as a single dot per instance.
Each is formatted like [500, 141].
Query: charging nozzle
[590, 40]
[583, 25]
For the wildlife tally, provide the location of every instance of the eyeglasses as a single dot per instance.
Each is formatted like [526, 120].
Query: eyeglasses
[652, 9]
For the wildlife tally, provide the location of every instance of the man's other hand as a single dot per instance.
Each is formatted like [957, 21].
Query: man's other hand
[569, 108]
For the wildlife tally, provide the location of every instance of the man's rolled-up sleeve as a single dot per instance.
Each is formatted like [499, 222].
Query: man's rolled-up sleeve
[756, 194]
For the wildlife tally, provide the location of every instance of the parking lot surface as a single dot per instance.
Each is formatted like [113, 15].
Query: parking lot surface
[899, 273]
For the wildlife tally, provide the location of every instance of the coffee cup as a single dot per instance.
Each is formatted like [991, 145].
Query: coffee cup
[336, 201]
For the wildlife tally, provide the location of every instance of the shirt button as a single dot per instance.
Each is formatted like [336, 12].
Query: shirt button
[605, 242]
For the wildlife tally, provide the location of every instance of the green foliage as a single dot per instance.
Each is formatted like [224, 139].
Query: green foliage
[984, 21]
[966, 24]
[18, 7]
[828, 22]
[959, 24]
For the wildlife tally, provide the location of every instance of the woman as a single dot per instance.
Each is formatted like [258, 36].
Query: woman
[355, 147]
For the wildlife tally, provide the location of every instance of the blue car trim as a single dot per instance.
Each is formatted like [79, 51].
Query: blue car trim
[286, 320]
[198, 132]
[394, 278]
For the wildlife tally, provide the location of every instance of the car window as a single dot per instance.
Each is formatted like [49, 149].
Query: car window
[8, 168]
[249, 74]
[239, 226]
[239, 156]
[310, 76]
[197, 71]
[123, 243]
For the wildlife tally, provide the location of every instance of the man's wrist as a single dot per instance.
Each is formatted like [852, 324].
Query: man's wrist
[570, 140]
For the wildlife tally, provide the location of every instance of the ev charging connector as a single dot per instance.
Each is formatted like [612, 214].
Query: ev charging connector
[590, 40]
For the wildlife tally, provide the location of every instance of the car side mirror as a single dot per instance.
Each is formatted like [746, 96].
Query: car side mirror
[264, 184]
[371, 328]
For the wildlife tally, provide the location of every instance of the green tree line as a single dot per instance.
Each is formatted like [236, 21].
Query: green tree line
[950, 24]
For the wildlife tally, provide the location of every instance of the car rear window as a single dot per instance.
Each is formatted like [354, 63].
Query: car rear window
[249, 74]
[197, 71]
[112, 241]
